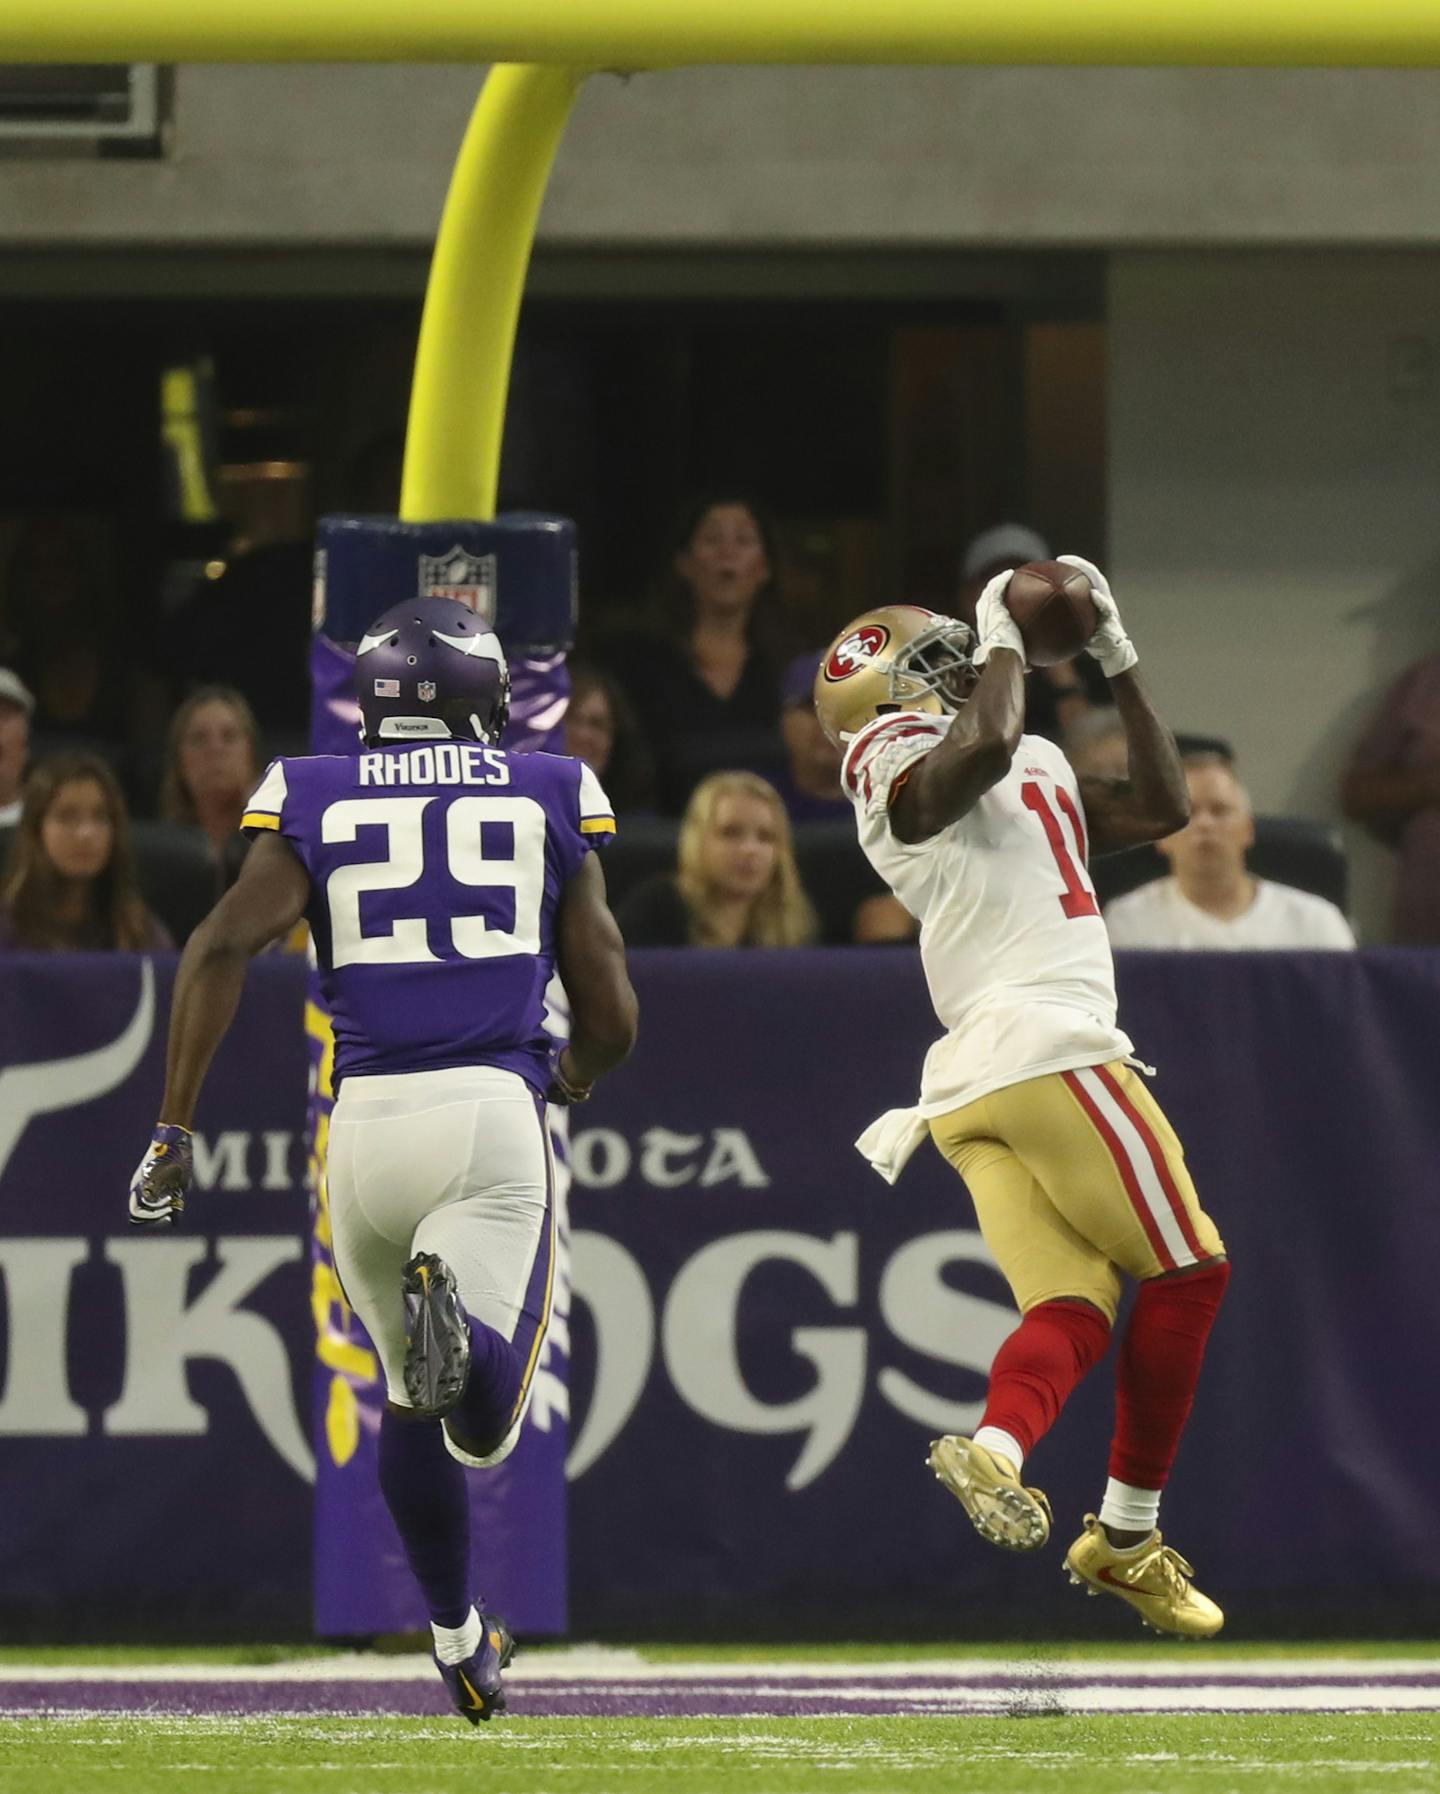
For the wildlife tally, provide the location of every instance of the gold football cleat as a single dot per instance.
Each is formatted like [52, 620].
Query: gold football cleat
[1153, 1578]
[1001, 1509]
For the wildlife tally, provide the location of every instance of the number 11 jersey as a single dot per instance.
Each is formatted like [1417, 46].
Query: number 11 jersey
[1016, 956]
[436, 873]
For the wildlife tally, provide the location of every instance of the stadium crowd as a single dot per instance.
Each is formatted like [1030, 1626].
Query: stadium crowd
[697, 716]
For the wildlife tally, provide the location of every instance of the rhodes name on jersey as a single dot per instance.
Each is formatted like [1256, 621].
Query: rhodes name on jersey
[1016, 956]
[435, 877]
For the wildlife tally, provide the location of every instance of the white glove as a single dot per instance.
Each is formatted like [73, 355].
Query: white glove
[1109, 645]
[162, 1179]
[994, 624]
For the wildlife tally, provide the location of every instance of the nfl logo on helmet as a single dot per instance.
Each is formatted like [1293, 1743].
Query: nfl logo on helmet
[425, 691]
[467, 578]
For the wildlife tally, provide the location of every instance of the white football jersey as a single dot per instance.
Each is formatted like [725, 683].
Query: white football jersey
[1015, 953]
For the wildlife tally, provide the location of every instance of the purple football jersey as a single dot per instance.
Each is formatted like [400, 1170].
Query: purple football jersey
[435, 876]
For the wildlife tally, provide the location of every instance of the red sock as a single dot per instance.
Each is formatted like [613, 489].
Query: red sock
[1159, 1367]
[1039, 1366]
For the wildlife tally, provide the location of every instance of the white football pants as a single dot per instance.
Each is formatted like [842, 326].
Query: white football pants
[456, 1163]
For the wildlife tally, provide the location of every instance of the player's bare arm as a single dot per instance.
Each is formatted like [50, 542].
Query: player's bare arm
[262, 906]
[975, 754]
[590, 957]
[1152, 801]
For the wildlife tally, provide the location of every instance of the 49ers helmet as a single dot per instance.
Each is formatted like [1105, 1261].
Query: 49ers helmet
[431, 669]
[900, 657]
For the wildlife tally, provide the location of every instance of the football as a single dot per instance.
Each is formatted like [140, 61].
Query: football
[1053, 607]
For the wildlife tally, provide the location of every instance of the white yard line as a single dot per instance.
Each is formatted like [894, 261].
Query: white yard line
[589, 1664]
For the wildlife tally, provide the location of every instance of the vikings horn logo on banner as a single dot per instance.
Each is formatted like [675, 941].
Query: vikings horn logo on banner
[468, 578]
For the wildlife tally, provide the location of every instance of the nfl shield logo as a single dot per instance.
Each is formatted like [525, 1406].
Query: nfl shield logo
[468, 578]
[425, 691]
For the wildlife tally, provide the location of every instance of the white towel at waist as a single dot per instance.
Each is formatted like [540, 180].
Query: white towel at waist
[889, 1142]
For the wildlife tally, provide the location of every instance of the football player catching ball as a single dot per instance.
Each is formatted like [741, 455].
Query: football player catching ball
[983, 833]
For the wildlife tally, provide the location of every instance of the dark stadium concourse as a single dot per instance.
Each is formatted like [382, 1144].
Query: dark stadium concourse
[882, 412]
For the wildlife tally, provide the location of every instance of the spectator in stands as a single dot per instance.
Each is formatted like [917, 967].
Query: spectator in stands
[1210, 899]
[1393, 787]
[601, 730]
[1055, 697]
[809, 784]
[737, 884]
[705, 682]
[69, 881]
[60, 631]
[212, 764]
[16, 708]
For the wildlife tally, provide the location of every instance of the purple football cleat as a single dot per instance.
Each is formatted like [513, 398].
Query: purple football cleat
[475, 1686]
[437, 1357]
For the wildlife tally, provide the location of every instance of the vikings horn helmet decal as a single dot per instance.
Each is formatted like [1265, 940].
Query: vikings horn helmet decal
[431, 669]
[900, 657]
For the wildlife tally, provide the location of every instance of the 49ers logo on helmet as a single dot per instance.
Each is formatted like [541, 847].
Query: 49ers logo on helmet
[857, 650]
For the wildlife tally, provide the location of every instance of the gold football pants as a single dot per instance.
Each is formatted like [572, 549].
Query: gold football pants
[1077, 1176]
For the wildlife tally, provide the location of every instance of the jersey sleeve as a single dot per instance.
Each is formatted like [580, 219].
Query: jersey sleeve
[266, 806]
[597, 813]
[879, 758]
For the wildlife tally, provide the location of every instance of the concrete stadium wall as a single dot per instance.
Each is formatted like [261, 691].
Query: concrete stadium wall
[1274, 527]
[324, 154]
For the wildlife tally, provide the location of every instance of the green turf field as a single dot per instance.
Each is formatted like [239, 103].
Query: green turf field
[1105, 1754]
[1039, 1747]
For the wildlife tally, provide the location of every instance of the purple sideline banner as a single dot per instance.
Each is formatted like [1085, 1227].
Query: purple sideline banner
[155, 1460]
[766, 1335]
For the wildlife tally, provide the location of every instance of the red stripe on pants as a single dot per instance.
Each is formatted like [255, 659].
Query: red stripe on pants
[1126, 1169]
[1157, 1158]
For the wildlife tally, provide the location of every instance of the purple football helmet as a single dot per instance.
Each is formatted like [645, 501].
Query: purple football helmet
[431, 669]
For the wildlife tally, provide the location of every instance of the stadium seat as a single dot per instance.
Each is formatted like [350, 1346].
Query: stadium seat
[643, 846]
[177, 873]
[834, 871]
[1294, 850]
[1291, 850]
[836, 875]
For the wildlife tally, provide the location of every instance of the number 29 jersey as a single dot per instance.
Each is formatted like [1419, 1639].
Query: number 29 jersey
[435, 877]
[1016, 956]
